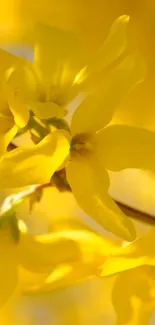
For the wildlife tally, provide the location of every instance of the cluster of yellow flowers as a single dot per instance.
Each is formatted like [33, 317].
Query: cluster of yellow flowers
[40, 97]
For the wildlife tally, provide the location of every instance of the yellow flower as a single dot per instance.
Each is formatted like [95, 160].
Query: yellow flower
[61, 259]
[46, 86]
[60, 67]
[48, 261]
[91, 20]
[93, 150]
[138, 253]
[134, 289]
[35, 164]
[104, 297]
[133, 296]
[30, 263]
[92, 147]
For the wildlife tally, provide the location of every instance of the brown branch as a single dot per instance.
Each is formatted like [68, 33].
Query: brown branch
[136, 214]
[11, 146]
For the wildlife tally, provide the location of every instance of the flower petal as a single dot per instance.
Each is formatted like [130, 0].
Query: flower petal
[131, 298]
[89, 184]
[19, 109]
[113, 47]
[22, 86]
[140, 252]
[35, 164]
[7, 60]
[42, 253]
[79, 252]
[7, 132]
[29, 280]
[46, 110]
[8, 129]
[97, 109]
[57, 54]
[122, 146]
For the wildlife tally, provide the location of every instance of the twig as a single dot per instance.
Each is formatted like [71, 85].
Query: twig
[11, 146]
[17, 198]
[137, 214]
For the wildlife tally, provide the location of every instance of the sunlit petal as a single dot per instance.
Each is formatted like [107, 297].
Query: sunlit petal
[30, 280]
[19, 109]
[43, 253]
[22, 86]
[36, 164]
[46, 110]
[79, 252]
[97, 109]
[90, 187]
[7, 132]
[114, 46]
[122, 146]
[140, 252]
[57, 55]
[131, 297]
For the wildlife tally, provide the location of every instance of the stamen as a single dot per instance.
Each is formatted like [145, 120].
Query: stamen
[83, 144]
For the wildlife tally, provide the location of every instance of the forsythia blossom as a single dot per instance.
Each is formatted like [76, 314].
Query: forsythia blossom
[89, 142]
[134, 265]
[36, 164]
[49, 261]
[59, 70]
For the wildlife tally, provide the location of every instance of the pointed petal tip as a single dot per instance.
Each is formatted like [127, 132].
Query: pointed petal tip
[124, 18]
[112, 266]
[118, 264]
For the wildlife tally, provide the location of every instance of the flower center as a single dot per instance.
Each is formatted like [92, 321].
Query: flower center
[54, 95]
[82, 144]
